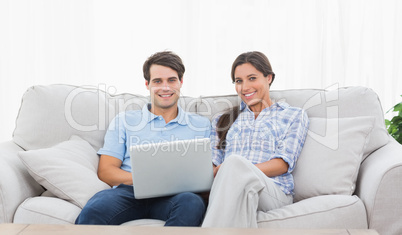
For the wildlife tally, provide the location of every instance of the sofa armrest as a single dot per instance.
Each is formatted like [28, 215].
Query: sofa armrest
[379, 185]
[15, 182]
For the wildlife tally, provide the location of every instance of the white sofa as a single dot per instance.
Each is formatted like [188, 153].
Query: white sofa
[349, 174]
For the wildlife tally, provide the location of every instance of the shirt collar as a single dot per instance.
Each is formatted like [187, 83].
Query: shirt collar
[181, 116]
[280, 104]
[243, 106]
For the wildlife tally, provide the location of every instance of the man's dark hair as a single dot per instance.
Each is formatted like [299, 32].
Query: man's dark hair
[164, 58]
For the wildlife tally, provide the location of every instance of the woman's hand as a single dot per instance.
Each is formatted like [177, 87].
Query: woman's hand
[216, 168]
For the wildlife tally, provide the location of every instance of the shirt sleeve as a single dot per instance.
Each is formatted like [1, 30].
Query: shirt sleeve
[115, 139]
[217, 154]
[208, 129]
[290, 146]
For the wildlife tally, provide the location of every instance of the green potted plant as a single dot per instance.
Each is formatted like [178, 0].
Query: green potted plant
[394, 126]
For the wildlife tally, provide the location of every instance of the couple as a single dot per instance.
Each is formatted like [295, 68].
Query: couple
[255, 147]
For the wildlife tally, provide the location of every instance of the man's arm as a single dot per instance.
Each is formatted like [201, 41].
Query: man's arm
[109, 171]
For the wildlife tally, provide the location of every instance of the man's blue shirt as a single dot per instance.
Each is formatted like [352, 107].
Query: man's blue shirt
[143, 127]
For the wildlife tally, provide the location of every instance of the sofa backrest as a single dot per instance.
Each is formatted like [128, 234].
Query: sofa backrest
[51, 114]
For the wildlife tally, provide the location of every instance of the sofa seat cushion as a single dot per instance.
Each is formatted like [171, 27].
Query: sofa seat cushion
[328, 211]
[46, 210]
[145, 222]
[53, 210]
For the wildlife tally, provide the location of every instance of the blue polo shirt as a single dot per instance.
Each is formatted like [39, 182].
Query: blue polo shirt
[143, 127]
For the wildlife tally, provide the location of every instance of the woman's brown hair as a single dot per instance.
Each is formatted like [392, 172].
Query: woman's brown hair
[262, 64]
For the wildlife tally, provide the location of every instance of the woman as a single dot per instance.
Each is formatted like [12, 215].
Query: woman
[255, 148]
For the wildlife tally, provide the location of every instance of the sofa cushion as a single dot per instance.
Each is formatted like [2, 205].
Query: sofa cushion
[341, 102]
[145, 222]
[51, 210]
[46, 210]
[51, 114]
[329, 212]
[68, 170]
[330, 159]
[335, 103]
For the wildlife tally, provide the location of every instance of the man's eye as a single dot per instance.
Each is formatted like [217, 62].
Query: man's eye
[157, 81]
[252, 78]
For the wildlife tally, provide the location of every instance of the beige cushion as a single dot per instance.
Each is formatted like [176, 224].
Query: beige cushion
[145, 222]
[340, 103]
[67, 170]
[46, 210]
[331, 156]
[51, 114]
[322, 212]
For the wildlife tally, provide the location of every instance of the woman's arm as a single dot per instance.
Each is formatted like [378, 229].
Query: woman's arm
[273, 167]
[109, 171]
[288, 148]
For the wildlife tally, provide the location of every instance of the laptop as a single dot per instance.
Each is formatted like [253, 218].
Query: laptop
[168, 168]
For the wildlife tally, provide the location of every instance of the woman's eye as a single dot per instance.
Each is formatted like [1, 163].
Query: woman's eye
[238, 81]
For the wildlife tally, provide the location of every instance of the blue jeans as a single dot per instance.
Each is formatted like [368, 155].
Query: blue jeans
[118, 205]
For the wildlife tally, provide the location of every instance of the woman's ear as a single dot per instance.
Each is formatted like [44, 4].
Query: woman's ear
[269, 79]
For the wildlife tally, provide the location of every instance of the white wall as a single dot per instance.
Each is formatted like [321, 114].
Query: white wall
[311, 44]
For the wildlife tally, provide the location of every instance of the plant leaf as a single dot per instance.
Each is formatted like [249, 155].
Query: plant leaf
[398, 107]
[399, 139]
[387, 122]
[396, 119]
[394, 126]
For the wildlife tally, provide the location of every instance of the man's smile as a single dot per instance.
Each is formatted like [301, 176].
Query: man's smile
[165, 95]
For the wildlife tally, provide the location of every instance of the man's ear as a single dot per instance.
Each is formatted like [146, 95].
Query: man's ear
[147, 84]
[181, 81]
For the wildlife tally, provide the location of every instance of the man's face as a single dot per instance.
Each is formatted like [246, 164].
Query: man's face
[164, 86]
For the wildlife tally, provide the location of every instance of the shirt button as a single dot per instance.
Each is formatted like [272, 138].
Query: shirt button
[279, 146]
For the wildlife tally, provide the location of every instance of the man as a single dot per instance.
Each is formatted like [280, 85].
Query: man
[160, 120]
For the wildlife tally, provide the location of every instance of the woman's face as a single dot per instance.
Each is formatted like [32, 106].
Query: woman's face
[252, 86]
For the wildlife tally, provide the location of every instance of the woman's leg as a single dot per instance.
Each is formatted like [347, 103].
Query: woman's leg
[112, 206]
[238, 191]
